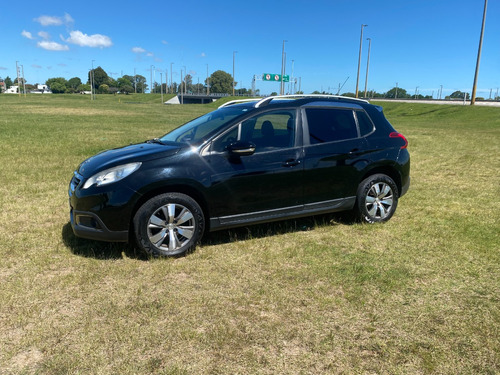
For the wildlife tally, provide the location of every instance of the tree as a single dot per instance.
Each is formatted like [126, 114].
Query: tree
[458, 95]
[221, 82]
[74, 82]
[99, 77]
[397, 93]
[126, 89]
[83, 87]
[103, 89]
[57, 85]
[8, 82]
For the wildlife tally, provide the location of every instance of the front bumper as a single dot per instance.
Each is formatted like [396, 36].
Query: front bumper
[88, 225]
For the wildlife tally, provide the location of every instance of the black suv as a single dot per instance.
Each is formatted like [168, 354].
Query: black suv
[250, 161]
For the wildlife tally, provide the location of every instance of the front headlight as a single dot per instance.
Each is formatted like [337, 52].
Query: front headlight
[111, 175]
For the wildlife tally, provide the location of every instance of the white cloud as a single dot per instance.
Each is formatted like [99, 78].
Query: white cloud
[54, 20]
[43, 34]
[27, 34]
[203, 54]
[84, 40]
[68, 19]
[52, 46]
[164, 42]
[138, 50]
[36, 66]
[49, 20]
[149, 54]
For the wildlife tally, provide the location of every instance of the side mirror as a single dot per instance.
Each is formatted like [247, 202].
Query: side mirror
[241, 148]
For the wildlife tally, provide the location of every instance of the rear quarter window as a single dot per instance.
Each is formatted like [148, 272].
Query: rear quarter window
[330, 125]
[364, 122]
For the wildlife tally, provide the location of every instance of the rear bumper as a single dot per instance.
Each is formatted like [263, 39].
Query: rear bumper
[405, 187]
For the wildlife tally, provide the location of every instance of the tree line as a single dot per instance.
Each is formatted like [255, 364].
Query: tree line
[219, 82]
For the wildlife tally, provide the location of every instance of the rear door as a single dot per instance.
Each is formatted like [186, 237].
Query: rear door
[333, 154]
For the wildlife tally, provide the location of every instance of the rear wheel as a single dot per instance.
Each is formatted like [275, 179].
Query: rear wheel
[377, 199]
[168, 225]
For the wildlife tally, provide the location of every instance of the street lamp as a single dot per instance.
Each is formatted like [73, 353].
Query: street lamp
[474, 86]
[151, 90]
[359, 58]
[171, 80]
[208, 83]
[282, 86]
[234, 52]
[368, 62]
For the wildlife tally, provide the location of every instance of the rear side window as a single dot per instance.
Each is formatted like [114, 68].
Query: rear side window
[365, 125]
[330, 125]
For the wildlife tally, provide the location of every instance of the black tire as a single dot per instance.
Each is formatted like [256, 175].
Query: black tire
[376, 199]
[168, 225]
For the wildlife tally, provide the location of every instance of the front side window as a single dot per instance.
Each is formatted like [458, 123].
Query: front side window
[268, 131]
[330, 125]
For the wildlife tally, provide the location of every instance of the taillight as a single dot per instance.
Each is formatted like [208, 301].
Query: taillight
[399, 135]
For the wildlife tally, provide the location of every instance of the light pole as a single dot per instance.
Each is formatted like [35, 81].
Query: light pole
[208, 83]
[282, 88]
[92, 82]
[161, 86]
[474, 86]
[171, 80]
[368, 62]
[359, 58]
[234, 52]
[151, 90]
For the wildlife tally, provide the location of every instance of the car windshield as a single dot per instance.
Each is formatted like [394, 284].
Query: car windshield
[200, 128]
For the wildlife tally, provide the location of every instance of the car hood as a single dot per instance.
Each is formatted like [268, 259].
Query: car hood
[140, 152]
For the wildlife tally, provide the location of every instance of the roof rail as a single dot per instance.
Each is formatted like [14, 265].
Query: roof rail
[266, 101]
[239, 101]
[261, 102]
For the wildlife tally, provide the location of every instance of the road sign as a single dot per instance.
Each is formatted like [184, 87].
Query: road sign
[275, 77]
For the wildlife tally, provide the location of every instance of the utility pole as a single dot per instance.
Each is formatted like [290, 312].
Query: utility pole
[359, 58]
[368, 63]
[24, 82]
[17, 72]
[474, 86]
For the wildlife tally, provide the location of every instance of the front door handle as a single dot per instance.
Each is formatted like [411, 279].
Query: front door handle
[291, 163]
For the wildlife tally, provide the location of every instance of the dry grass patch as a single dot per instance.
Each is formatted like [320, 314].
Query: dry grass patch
[417, 295]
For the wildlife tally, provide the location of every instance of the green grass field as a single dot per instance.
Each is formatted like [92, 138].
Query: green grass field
[417, 295]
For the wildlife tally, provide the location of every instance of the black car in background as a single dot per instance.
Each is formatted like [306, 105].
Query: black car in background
[249, 161]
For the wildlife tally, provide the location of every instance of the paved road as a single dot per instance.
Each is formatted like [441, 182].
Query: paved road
[452, 102]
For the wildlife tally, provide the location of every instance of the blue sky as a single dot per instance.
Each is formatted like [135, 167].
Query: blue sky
[424, 43]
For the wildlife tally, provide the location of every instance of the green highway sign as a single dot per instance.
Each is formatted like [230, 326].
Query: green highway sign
[275, 77]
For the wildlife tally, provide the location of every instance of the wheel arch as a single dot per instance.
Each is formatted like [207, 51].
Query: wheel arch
[176, 188]
[388, 171]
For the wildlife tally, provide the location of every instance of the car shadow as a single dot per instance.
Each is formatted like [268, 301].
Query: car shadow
[117, 250]
[99, 249]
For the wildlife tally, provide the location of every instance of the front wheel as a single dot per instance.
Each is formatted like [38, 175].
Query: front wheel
[377, 199]
[168, 225]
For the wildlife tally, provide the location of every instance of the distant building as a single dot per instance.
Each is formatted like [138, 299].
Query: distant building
[12, 90]
[41, 89]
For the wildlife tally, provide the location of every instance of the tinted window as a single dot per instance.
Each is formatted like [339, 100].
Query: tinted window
[330, 124]
[268, 131]
[365, 125]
